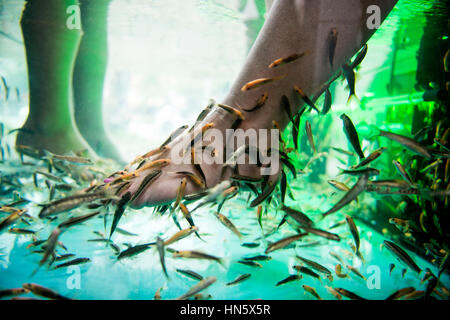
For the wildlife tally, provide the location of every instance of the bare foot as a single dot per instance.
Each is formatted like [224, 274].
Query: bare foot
[310, 36]
[59, 141]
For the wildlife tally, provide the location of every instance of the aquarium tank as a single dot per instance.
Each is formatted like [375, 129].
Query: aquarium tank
[91, 90]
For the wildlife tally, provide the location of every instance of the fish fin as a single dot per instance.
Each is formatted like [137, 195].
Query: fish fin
[341, 172]
[354, 97]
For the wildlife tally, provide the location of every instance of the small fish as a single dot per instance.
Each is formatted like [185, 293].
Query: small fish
[193, 177]
[307, 271]
[264, 195]
[73, 262]
[402, 255]
[64, 187]
[352, 135]
[391, 268]
[132, 251]
[180, 235]
[64, 256]
[403, 225]
[337, 224]
[407, 142]
[284, 242]
[51, 245]
[306, 99]
[227, 223]
[191, 254]
[49, 175]
[339, 185]
[286, 106]
[349, 294]
[371, 157]
[289, 165]
[332, 38]
[76, 220]
[400, 293]
[403, 173]
[327, 101]
[232, 110]
[310, 136]
[190, 274]
[204, 112]
[240, 278]
[12, 292]
[353, 230]
[174, 135]
[259, 258]
[316, 266]
[338, 271]
[250, 244]
[404, 272]
[213, 193]
[283, 187]
[390, 183]
[355, 271]
[349, 75]
[125, 232]
[414, 295]
[250, 263]
[365, 171]
[159, 163]
[150, 178]
[9, 220]
[334, 292]
[180, 193]
[43, 291]
[321, 233]
[348, 153]
[351, 195]
[446, 61]
[201, 285]
[288, 59]
[21, 231]
[292, 277]
[336, 256]
[430, 288]
[298, 216]
[160, 246]
[295, 128]
[72, 159]
[5, 86]
[312, 291]
[157, 295]
[70, 202]
[431, 165]
[259, 212]
[121, 205]
[259, 103]
[259, 82]
[359, 57]
[115, 247]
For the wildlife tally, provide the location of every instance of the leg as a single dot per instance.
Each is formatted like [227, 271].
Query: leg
[50, 50]
[293, 26]
[88, 77]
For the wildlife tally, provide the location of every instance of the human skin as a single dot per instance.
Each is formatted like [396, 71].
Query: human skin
[89, 76]
[292, 26]
[65, 63]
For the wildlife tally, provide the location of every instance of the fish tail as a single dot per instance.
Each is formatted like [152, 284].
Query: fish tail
[354, 97]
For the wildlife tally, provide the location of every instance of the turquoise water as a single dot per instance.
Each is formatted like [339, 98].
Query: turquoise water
[139, 277]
